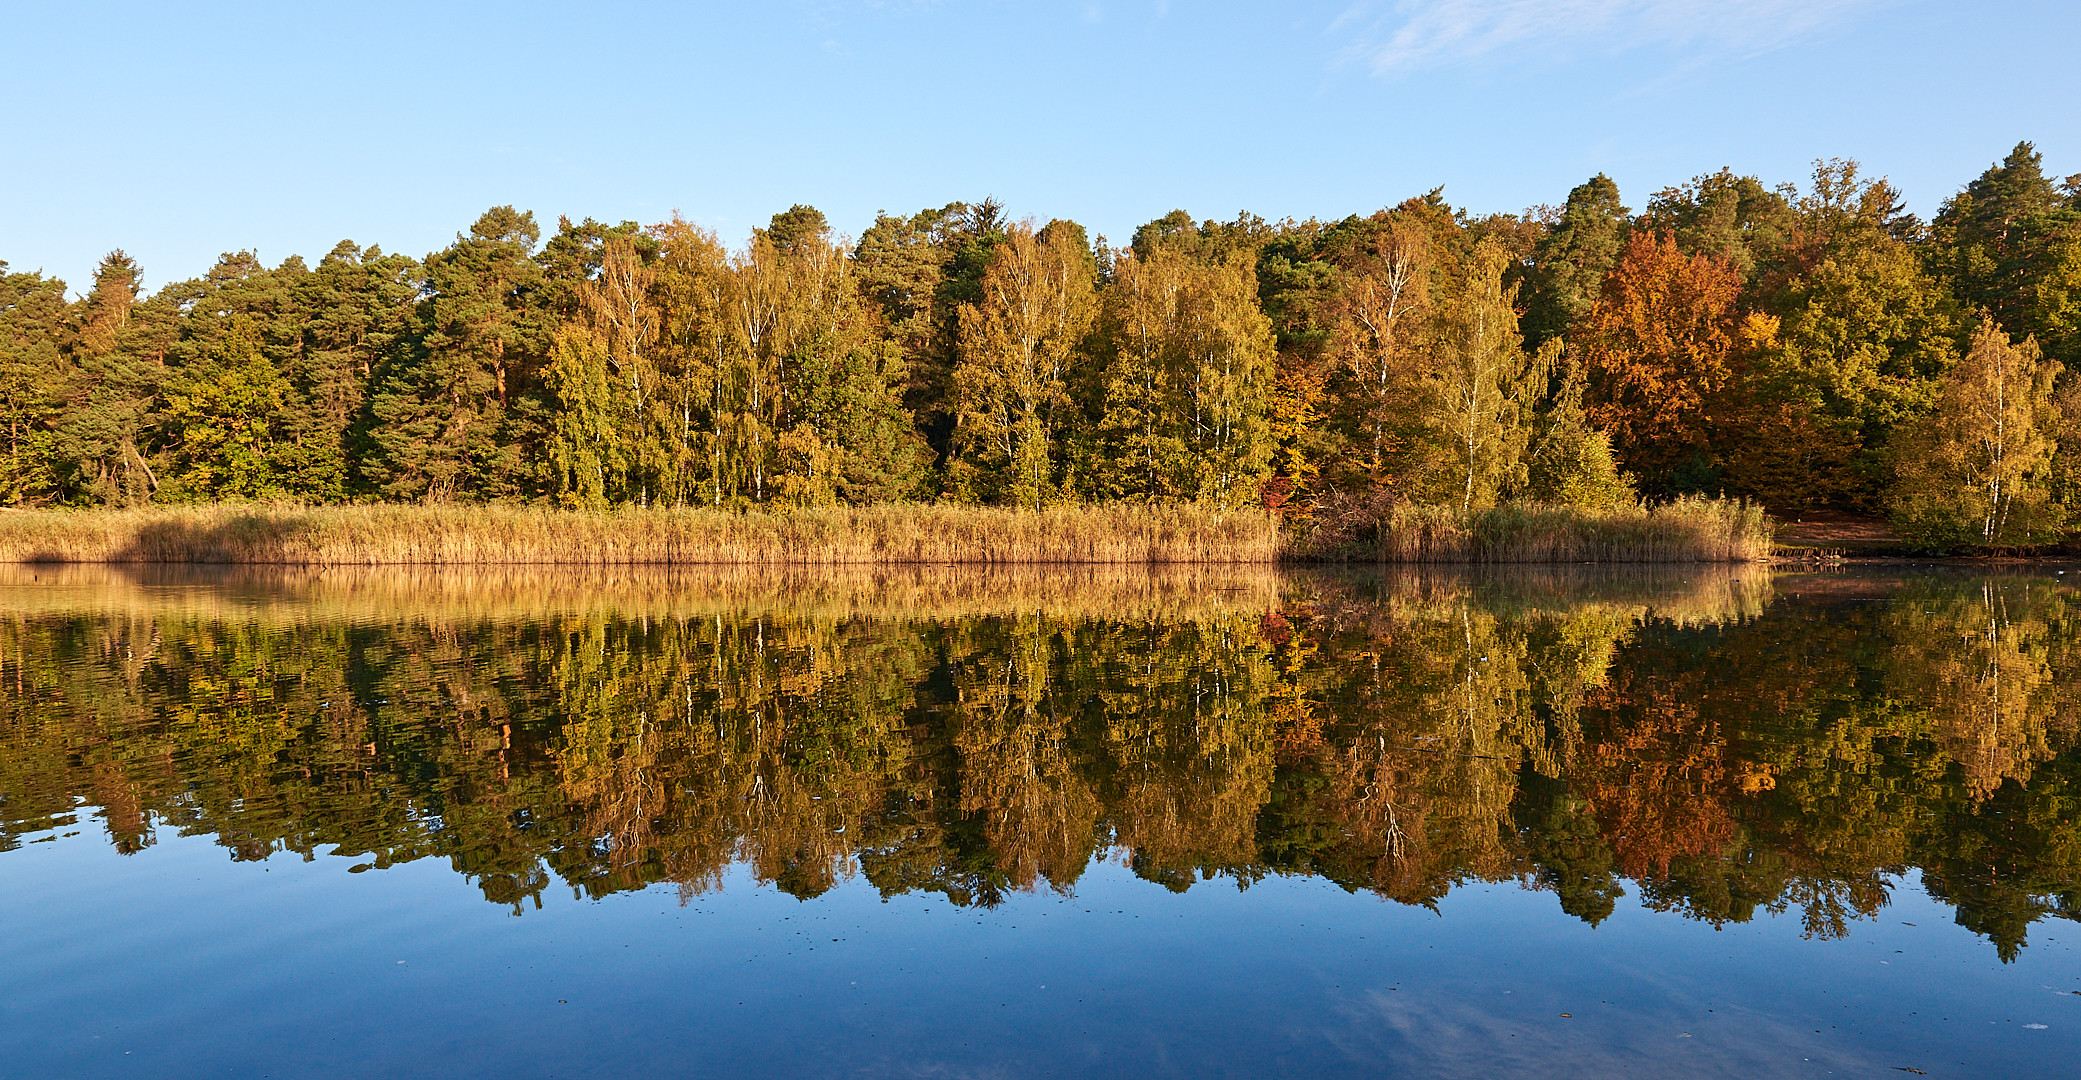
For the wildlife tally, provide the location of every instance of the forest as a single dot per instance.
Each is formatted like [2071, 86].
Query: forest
[1801, 346]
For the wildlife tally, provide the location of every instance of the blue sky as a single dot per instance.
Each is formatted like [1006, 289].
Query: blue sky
[180, 131]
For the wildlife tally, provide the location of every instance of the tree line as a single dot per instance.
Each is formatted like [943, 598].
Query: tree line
[1807, 346]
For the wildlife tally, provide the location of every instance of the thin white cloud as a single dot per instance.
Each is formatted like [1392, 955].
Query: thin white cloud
[1417, 34]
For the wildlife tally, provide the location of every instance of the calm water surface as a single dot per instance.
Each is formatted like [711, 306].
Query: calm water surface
[1691, 822]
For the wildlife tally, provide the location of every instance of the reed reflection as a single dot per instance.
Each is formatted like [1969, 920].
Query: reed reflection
[1720, 741]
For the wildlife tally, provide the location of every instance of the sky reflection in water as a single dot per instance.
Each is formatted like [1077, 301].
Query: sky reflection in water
[1087, 823]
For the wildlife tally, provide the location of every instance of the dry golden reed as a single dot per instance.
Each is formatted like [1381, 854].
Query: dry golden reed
[1685, 530]
[503, 535]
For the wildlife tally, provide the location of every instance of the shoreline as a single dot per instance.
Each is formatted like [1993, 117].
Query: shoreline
[495, 535]
[888, 535]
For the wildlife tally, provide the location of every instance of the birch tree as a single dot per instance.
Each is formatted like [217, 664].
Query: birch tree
[1379, 317]
[1978, 468]
[1483, 381]
[1189, 373]
[1018, 345]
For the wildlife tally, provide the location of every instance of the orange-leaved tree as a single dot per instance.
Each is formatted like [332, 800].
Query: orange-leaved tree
[1658, 346]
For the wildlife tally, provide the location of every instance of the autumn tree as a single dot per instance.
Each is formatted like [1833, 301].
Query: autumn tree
[1658, 347]
[1019, 342]
[1381, 315]
[1187, 367]
[693, 287]
[603, 374]
[1978, 468]
[1861, 334]
[770, 383]
[1481, 384]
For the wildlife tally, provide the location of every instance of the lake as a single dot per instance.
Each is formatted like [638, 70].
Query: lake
[1572, 822]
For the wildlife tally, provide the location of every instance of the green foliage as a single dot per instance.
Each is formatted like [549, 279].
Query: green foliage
[223, 412]
[1731, 217]
[1187, 361]
[1570, 261]
[2007, 244]
[33, 375]
[1482, 384]
[1862, 337]
[1774, 344]
[1569, 462]
[1021, 343]
[460, 416]
[1979, 468]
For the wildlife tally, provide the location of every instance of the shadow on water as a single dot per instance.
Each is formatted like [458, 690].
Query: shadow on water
[1720, 740]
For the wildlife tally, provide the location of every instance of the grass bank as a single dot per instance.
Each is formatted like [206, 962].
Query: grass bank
[513, 536]
[1686, 530]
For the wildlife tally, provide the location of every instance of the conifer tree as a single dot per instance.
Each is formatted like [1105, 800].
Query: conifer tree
[33, 374]
[1570, 261]
[2010, 244]
[99, 446]
[459, 416]
[357, 316]
[901, 266]
[1568, 461]
[1734, 219]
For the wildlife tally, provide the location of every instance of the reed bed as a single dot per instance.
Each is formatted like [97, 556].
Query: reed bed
[517, 536]
[1687, 530]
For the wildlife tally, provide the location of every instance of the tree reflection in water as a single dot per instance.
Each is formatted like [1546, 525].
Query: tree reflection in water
[1721, 740]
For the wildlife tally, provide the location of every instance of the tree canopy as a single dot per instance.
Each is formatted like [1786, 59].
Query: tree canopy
[1806, 346]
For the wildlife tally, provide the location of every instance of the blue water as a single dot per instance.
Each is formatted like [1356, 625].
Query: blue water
[1311, 828]
[177, 962]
